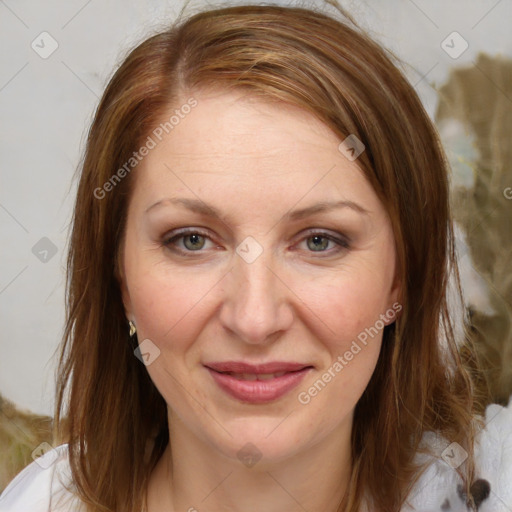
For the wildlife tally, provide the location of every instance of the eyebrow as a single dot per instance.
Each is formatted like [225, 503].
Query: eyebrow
[198, 206]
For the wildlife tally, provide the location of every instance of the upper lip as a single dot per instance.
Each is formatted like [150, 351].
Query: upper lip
[264, 368]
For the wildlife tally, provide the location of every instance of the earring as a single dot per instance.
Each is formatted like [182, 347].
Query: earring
[133, 329]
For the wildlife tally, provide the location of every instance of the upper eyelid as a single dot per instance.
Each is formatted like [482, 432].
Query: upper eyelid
[203, 232]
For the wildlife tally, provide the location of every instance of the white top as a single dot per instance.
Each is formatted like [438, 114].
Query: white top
[40, 487]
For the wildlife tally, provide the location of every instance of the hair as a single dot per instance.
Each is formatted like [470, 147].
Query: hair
[116, 423]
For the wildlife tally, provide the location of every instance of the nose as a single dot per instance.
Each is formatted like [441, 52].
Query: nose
[257, 302]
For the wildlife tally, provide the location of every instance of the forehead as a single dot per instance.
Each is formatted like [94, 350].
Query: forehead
[232, 141]
[236, 123]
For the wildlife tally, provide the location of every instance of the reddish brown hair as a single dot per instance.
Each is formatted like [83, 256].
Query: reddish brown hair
[117, 426]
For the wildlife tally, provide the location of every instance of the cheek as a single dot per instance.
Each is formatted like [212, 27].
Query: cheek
[351, 309]
[162, 296]
[163, 308]
[349, 306]
[172, 315]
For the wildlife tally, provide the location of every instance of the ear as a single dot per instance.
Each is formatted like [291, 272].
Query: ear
[395, 299]
[396, 290]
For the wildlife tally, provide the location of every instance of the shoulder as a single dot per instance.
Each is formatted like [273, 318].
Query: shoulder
[437, 489]
[43, 486]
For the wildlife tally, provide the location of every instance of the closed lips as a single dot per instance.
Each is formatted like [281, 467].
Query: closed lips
[266, 371]
[255, 376]
[257, 383]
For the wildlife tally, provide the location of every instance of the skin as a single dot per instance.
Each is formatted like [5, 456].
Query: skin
[254, 161]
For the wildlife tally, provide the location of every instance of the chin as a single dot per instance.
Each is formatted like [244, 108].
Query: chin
[261, 442]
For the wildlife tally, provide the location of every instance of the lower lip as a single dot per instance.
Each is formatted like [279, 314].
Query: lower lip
[258, 391]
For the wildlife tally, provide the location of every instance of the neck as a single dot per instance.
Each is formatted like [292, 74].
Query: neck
[192, 475]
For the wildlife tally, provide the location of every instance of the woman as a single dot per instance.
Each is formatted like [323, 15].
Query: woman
[257, 293]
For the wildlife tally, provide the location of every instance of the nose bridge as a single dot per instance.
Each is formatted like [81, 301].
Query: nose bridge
[255, 303]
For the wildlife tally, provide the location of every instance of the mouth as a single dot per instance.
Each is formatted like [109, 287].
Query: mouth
[257, 384]
[254, 376]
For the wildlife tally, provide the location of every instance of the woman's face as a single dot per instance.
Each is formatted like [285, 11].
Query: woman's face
[235, 257]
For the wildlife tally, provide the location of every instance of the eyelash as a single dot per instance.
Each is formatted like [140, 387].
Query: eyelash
[343, 243]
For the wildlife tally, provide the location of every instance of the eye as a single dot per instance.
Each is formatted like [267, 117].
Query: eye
[318, 241]
[193, 240]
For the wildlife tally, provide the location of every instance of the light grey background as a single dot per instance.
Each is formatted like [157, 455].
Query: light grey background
[47, 104]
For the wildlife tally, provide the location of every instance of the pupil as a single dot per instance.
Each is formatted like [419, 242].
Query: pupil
[317, 242]
[195, 241]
